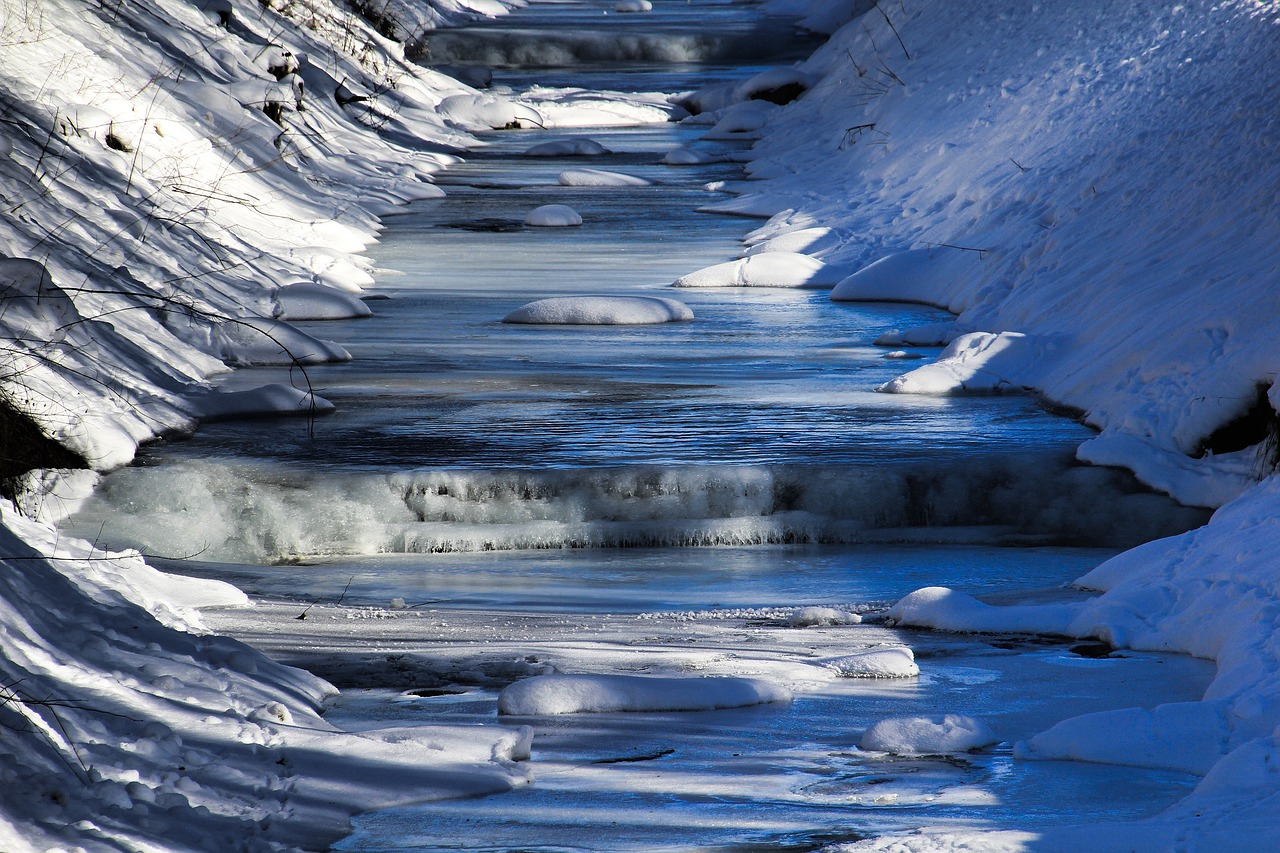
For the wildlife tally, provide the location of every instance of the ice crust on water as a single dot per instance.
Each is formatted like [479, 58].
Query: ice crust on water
[553, 216]
[601, 311]
[599, 178]
[578, 694]
[927, 735]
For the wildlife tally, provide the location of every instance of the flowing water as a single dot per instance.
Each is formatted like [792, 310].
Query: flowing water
[626, 477]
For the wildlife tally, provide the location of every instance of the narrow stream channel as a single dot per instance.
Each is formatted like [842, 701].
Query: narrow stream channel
[574, 495]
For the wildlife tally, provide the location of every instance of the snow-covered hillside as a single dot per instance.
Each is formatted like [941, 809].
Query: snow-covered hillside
[1091, 185]
[1093, 188]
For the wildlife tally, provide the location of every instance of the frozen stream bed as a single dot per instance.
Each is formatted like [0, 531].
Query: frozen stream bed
[495, 501]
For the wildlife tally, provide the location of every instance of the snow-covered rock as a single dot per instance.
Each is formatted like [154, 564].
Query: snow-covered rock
[894, 662]
[578, 146]
[553, 216]
[927, 735]
[577, 694]
[599, 178]
[767, 269]
[601, 311]
[319, 302]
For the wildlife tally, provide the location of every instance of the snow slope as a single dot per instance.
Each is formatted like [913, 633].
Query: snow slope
[1092, 188]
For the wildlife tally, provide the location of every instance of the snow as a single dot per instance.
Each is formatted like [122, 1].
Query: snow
[577, 694]
[601, 311]
[553, 216]
[767, 269]
[319, 302]
[928, 735]
[896, 662]
[633, 6]
[266, 400]
[598, 178]
[806, 617]
[578, 146]
[1011, 162]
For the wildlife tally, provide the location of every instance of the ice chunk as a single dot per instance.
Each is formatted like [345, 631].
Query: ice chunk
[599, 178]
[927, 735]
[553, 216]
[768, 269]
[601, 311]
[576, 694]
[895, 662]
[319, 302]
[577, 146]
[808, 616]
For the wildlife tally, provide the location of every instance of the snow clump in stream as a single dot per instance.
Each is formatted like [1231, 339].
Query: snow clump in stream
[553, 216]
[599, 178]
[577, 694]
[935, 735]
[601, 311]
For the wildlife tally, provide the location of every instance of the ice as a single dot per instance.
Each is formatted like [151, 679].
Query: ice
[599, 178]
[579, 146]
[319, 302]
[768, 269]
[896, 662]
[928, 735]
[577, 694]
[601, 311]
[553, 216]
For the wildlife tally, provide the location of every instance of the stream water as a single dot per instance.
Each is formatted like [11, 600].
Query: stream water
[632, 480]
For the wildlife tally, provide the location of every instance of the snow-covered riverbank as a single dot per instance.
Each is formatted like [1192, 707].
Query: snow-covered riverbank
[1092, 183]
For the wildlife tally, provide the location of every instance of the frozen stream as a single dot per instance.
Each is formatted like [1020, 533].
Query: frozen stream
[492, 501]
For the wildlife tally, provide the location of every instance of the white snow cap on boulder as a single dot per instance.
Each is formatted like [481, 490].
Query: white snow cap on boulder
[916, 275]
[601, 311]
[577, 146]
[633, 6]
[553, 216]
[927, 735]
[767, 269]
[599, 178]
[576, 694]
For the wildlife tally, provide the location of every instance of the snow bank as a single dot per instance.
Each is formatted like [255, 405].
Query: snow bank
[601, 311]
[767, 269]
[976, 363]
[927, 735]
[577, 694]
[599, 178]
[553, 216]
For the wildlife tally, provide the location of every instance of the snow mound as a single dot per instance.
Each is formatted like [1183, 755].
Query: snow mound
[601, 311]
[268, 400]
[768, 269]
[896, 662]
[599, 178]
[245, 341]
[553, 216]
[741, 121]
[488, 112]
[633, 6]
[692, 157]
[976, 363]
[949, 610]
[806, 617]
[577, 694]
[577, 146]
[809, 241]
[319, 302]
[927, 735]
